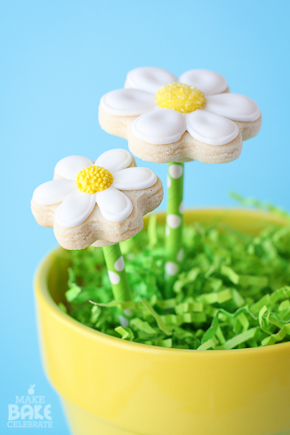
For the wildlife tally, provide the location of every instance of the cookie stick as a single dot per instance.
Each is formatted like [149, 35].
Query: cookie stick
[86, 205]
[116, 271]
[168, 119]
[174, 223]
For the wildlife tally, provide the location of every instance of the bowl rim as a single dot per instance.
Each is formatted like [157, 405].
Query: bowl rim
[42, 294]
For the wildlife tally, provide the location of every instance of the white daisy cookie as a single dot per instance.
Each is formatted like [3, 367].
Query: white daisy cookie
[96, 203]
[167, 119]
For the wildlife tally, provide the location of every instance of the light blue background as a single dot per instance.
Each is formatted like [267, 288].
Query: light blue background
[58, 59]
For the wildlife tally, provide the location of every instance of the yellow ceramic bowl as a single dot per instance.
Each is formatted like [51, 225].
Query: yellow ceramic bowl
[114, 387]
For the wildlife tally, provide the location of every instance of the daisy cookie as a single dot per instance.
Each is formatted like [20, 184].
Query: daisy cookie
[96, 203]
[167, 119]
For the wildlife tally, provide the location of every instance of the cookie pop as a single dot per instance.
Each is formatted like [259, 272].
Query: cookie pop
[175, 120]
[98, 203]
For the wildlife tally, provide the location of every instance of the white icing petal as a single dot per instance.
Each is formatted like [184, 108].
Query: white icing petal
[53, 192]
[70, 166]
[233, 106]
[75, 209]
[161, 126]
[206, 81]
[114, 160]
[149, 79]
[210, 128]
[134, 179]
[114, 205]
[127, 102]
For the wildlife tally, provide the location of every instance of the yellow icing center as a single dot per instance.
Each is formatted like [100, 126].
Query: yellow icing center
[180, 97]
[94, 179]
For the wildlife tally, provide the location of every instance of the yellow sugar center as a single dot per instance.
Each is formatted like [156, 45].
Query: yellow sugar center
[94, 179]
[180, 97]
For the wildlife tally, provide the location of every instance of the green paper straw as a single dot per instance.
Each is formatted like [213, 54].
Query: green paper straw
[174, 224]
[116, 271]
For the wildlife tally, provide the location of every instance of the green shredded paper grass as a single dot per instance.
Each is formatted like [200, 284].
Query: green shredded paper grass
[232, 292]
